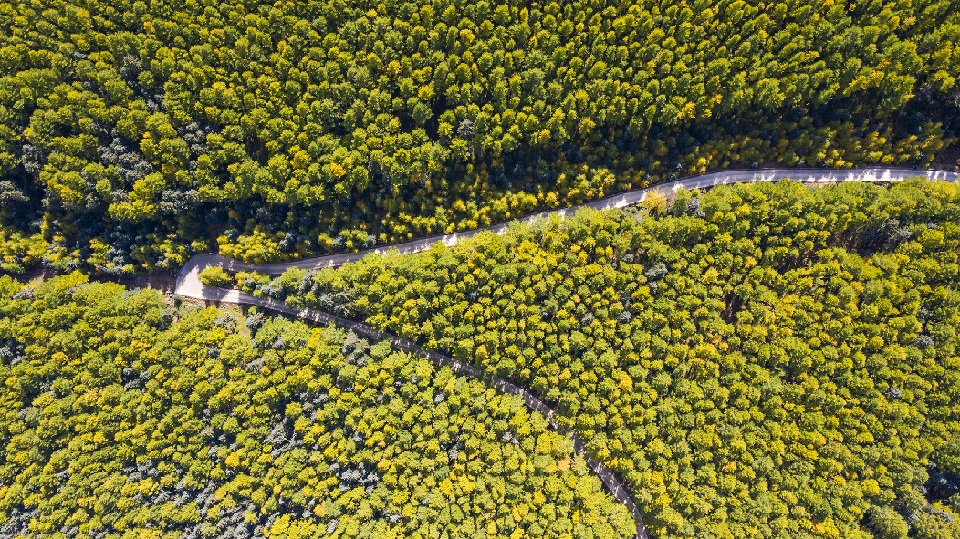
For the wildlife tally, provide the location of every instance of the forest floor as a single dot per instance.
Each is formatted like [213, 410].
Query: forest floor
[948, 159]
[165, 282]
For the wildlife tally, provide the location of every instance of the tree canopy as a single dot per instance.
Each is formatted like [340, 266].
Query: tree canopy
[123, 417]
[760, 360]
[136, 133]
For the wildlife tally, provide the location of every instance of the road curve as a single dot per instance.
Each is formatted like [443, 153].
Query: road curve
[189, 285]
[614, 201]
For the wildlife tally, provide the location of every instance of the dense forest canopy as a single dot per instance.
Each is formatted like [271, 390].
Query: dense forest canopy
[133, 134]
[123, 417]
[754, 361]
[763, 360]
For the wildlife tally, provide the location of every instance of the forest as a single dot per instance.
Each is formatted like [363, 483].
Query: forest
[124, 417]
[753, 361]
[136, 133]
[760, 360]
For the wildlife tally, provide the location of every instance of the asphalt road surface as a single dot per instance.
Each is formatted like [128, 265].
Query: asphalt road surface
[615, 201]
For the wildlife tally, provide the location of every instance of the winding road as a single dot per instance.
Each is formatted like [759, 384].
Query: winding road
[189, 285]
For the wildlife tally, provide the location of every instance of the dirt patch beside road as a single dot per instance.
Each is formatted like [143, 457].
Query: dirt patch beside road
[164, 282]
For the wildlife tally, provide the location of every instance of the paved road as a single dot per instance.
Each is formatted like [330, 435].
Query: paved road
[615, 201]
[188, 281]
